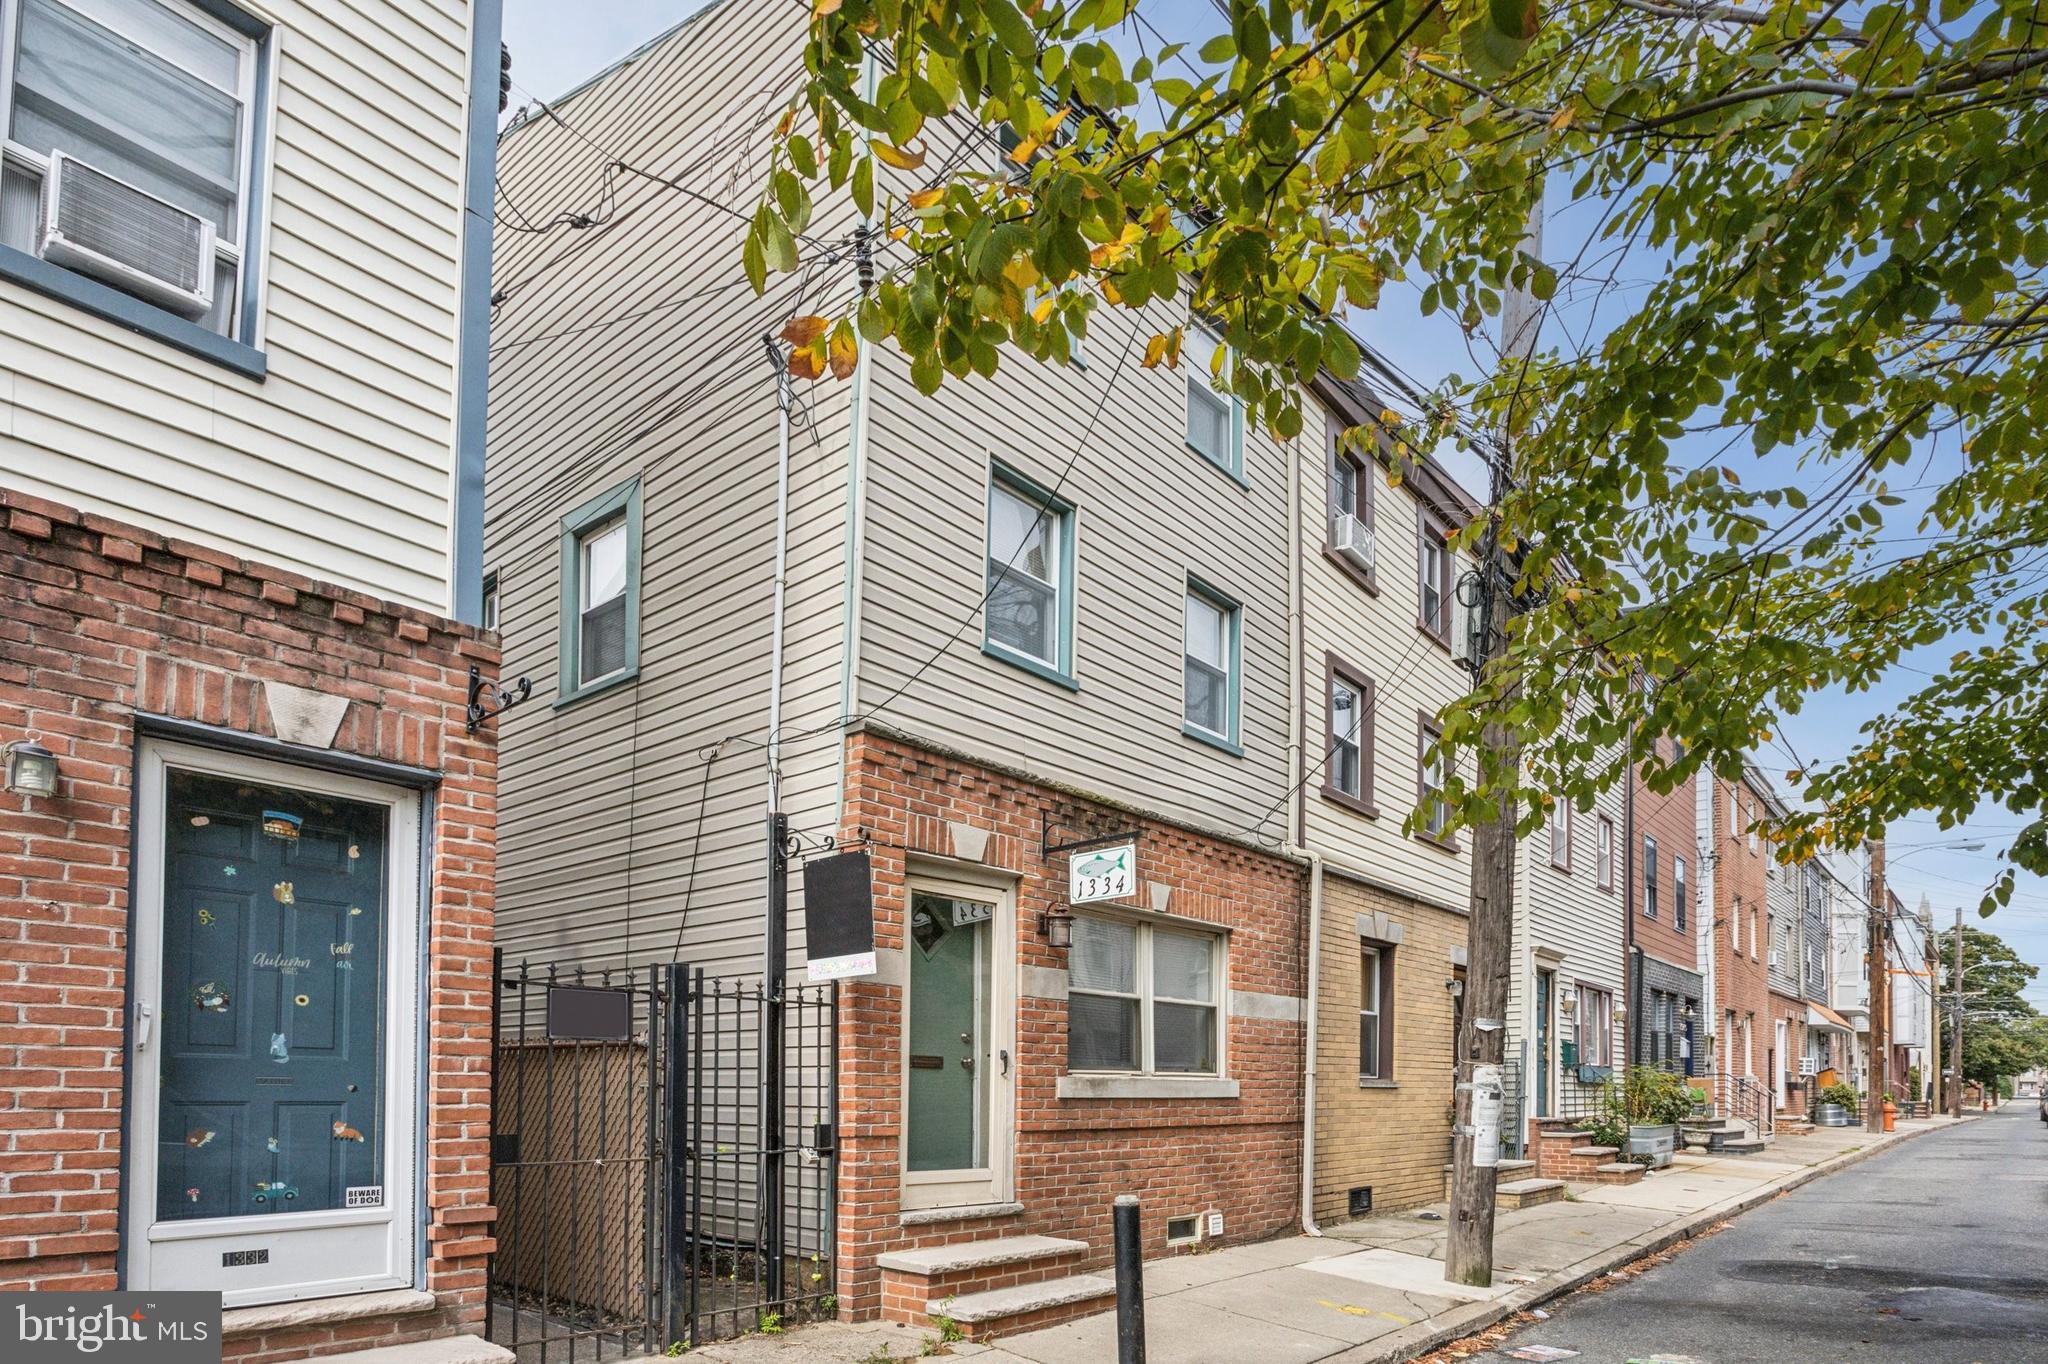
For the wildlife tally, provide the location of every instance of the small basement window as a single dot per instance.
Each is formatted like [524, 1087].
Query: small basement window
[1182, 1231]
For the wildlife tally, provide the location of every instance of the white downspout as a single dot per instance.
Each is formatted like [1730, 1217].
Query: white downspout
[1703, 830]
[778, 617]
[1297, 768]
[856, 515]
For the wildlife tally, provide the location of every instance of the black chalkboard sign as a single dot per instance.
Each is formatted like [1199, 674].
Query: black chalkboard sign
[839, 916]
[578, 1013]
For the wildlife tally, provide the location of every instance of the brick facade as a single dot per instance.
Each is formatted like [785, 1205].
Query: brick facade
[930, 811]
[106, 621]
[1390, 1134]
[1740, 932]
[1671, 819]
[1785, 1062]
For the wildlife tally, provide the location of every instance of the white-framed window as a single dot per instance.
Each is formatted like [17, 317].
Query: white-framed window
[1561, 836]
[1144, 998]
[601, 587]
[1027, 617]
[1215, 427]
[1649, 877]
[1434, 582]
[1603, 852]
[159, 94]
[1436, 813]
[1348, 744]
[1596, 1026]
[1375, 1011]
[1678, 893]
[1209, 663]
[490, 605]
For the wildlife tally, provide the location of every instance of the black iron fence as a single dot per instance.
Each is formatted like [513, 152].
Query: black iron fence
[577, 1161]
[751, 1194]
[661, 1159]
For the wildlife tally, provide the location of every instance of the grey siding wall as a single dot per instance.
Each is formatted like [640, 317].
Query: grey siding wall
[632, 820]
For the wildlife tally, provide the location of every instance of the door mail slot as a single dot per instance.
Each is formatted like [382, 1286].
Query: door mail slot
[927, 1063]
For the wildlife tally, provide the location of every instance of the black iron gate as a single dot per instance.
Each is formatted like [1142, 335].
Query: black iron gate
[661, 1159]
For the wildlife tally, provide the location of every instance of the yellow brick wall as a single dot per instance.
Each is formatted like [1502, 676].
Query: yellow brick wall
[1394, 1139]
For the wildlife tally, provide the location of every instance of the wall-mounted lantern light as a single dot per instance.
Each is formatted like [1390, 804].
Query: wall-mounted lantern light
[1567, 1002]
[1058, 927]
[31, 769]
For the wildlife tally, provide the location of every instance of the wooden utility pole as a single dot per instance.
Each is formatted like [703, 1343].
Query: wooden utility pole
[1955, 1024]
[1879, 957]
[1476, 1136]
[1939, 1093]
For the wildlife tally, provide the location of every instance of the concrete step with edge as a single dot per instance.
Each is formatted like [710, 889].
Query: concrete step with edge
[441, 1350]
[1026, 1307]
[933, 1262]
[1528, 1193]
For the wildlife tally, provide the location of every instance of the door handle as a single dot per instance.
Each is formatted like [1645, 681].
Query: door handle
[1005, 1056]
[143, 1018]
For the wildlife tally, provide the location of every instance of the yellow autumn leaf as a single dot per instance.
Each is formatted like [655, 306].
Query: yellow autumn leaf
[925, 198]
[899, 157]
[1021, 272]
[801, 331]
[807, 362]
[1111, 292]
[825, 7]
[787, 122]
[1024, 151]
[1043, 310]
[844, 351]
[1562, 119]
[1155, 351]
[1389, 417]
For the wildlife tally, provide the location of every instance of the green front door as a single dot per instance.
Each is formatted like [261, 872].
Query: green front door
[948, 1061]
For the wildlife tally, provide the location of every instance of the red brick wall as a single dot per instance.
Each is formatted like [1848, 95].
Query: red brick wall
[104, 620]
[1671, 820]
[1741, 910]
[1793, 1012]
[1242, 1156]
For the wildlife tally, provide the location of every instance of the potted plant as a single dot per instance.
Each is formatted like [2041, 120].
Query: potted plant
[1651, 1103]
[1837, 1105]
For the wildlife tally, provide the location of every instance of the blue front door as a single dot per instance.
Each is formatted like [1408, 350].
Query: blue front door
[272, 1069]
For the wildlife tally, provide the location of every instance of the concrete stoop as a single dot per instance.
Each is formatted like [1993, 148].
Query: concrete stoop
[1517, 1185]
[441, 1350]
[1003, 1283]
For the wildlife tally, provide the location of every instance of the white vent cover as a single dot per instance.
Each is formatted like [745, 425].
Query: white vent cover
[107, 228]
[1353, 539]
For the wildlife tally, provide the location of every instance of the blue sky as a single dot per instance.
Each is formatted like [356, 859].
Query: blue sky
[556, 46]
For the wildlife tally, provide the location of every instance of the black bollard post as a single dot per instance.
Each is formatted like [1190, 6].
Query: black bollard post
[1130, 1284]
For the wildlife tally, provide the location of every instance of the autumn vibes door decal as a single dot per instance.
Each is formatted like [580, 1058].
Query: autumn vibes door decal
[272, 1070]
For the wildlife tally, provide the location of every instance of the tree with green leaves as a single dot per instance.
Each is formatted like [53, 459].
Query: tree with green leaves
[1815, 237]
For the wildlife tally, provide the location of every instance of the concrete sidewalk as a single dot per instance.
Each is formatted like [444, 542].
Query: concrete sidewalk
[1374, 1290]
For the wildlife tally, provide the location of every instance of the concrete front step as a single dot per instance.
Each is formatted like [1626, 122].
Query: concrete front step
[964, 1270]
[1528, 1193]
[443, 1350]
[1747, 1147]
[935, 1261]
[1026, 1307]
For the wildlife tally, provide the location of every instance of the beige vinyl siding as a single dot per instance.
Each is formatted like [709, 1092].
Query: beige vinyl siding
[1149, 512]
[1412, 673]
[1565, 920]
[603, 856]
[339, 464]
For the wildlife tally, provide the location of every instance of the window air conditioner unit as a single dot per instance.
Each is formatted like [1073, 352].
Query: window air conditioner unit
[1353, 539]
[107, 228]
[1777, 959]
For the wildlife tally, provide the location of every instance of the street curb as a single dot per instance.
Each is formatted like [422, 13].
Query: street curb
[1409, 1342]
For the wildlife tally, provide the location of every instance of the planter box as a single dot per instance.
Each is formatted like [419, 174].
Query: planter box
[1832, 1115]
[1651, 1145]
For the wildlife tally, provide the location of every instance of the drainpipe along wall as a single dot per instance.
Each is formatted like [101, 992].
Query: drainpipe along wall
[1297, 820]
[778, 614]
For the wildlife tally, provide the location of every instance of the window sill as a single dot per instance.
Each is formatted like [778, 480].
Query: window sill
[1367, 578]
[612, 683]
[1213, 740]
[1441, 844]
[1234, 475]
[1442, 641]
[1030, 665]
[145, 319]
[1146, 1087]
[1351, 802]
[1366, 1082]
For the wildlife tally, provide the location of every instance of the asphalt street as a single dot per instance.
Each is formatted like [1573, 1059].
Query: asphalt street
[1932, 1252]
